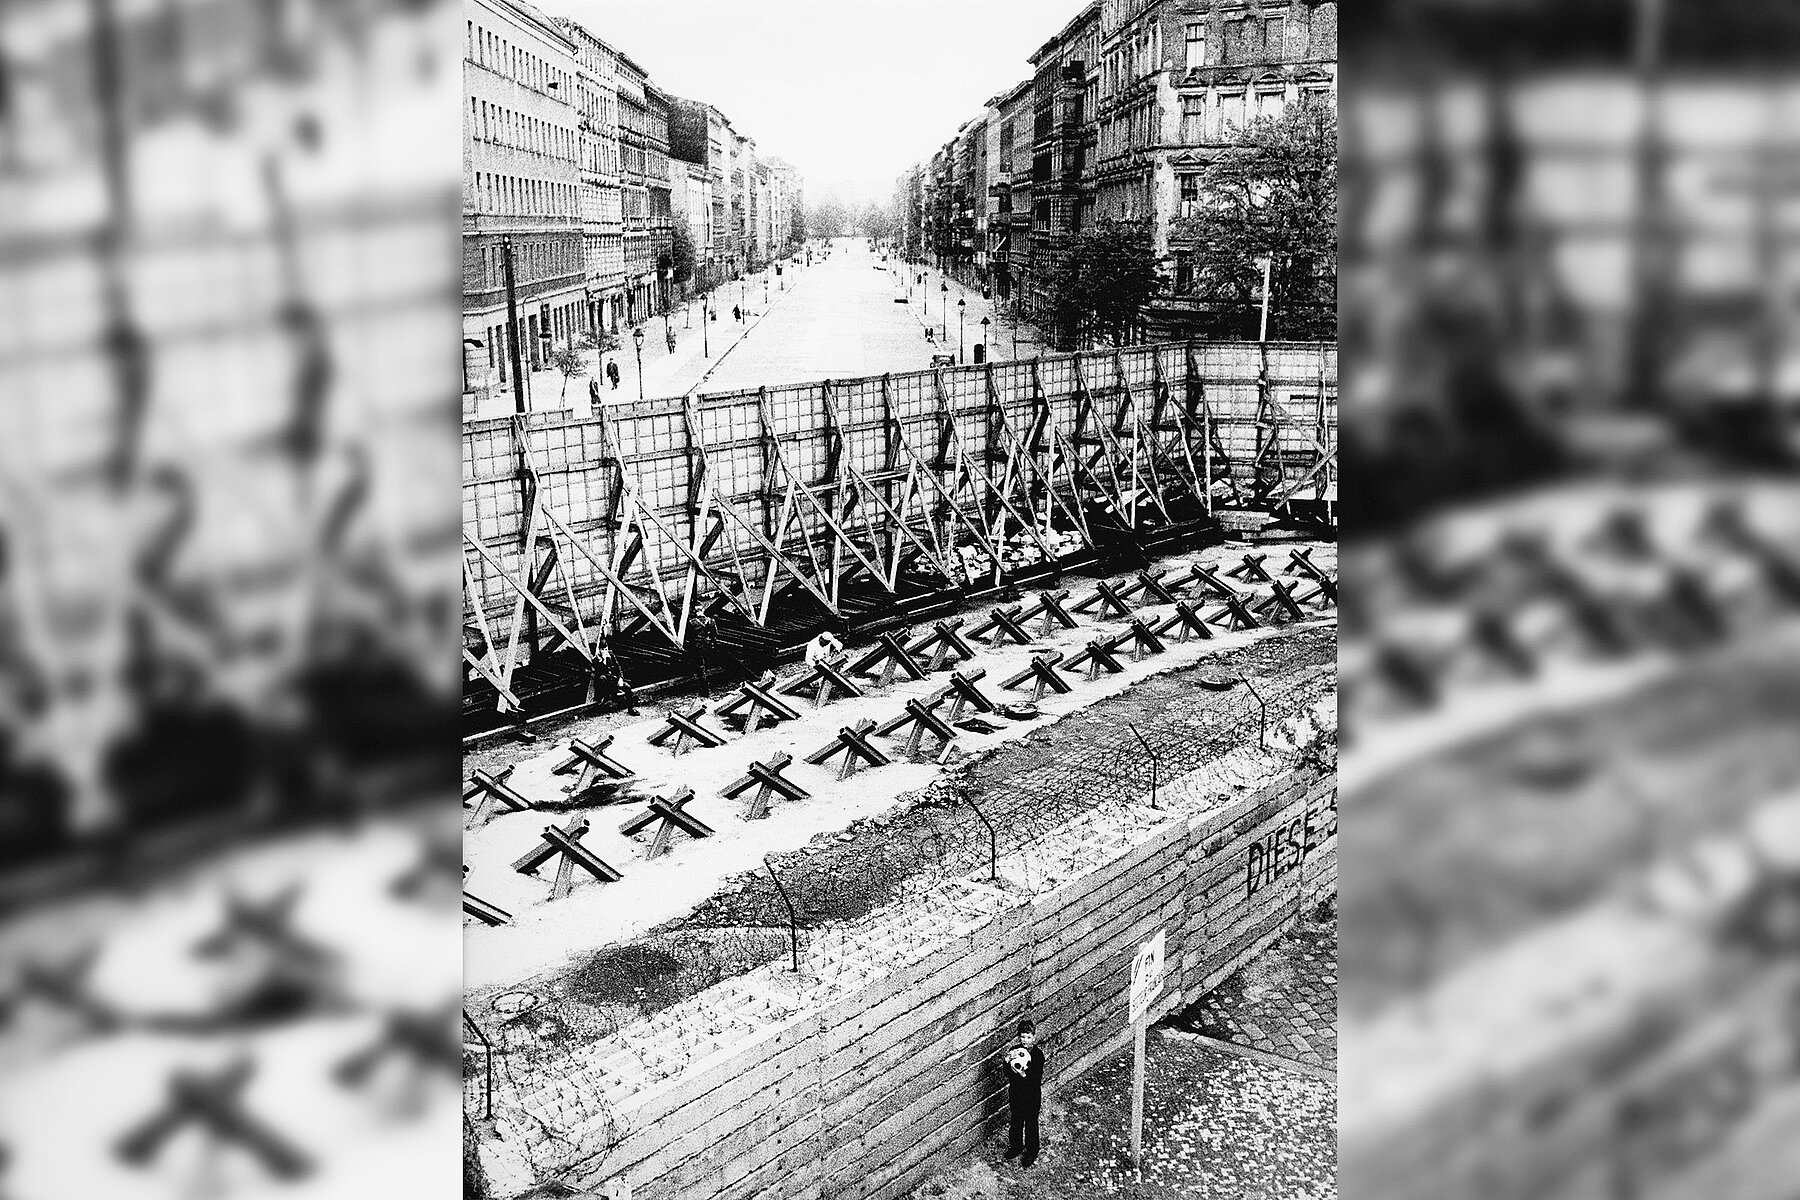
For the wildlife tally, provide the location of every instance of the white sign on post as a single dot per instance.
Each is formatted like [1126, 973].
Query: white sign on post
[1146, 976]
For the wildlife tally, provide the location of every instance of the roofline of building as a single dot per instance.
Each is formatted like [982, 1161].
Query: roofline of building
[532, 15]
[1001, 99]
[1091, 11]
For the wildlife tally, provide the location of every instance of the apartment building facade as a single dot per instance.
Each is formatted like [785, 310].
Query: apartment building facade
[521, 190]
[601, 203]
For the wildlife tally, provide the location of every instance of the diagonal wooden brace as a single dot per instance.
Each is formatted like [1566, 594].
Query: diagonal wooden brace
[685, 727]
[493, 790]
[1050, 608]
[944, 641]
[589, 764]
[852, 742]
[668, 814]
[767, 779]
[889, 655]
[1097, 656]
[1108, 600]
[762, 704]
[1186, 622]
[1042, 673]
[922, 720]
[567, 843]
[1002, 624]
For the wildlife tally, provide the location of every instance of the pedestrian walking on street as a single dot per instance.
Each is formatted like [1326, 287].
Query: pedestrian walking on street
[594, 394]
[737, 314]
[1024, 1064]
[612, 373]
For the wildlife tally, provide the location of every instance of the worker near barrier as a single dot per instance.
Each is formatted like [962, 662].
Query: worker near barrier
[1024, 1063]
[820, 649]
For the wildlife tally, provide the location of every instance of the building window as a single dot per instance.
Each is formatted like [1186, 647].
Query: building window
[1190, 195]
[1231, 113]
[1271, 100]
[1184, 272]
[1193, 117]
[1196, 46]
[1274, 39]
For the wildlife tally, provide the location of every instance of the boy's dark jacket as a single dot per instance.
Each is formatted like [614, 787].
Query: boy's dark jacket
[1026, 1089]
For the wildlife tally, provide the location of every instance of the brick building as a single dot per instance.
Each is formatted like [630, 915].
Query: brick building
[521, 182]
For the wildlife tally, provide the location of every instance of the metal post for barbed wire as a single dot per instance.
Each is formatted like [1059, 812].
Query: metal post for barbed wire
[1153, 764]
[487, 1113]
[793, 917]
[1262, 738]
[993, 840]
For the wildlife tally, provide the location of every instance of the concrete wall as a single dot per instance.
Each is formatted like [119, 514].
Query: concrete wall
[867, 1095]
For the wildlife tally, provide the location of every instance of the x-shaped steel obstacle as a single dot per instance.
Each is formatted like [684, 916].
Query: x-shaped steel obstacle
[1150, 586]
[822, 679]
[1003, 624]
[428, 1039]
[1141, 638]
[214, 1103]
[1107, 599]
[672, 814]
[944, 641]
[1042, 673]
[922, 720]
[566, 842]
[685, 727]
[1251, 569]
[589, 763]
[962, 694]
[759, 704]
[493, 790]
[1280, 597]
[890, 656]
[1049, 607]
[852, 742]
[768, 781]
[1185, 622]
[1097, 656]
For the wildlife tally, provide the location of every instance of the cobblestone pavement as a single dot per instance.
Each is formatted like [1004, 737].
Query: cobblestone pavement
[1284, 1003]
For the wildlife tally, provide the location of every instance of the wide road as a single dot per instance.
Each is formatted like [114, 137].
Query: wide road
[836, 319]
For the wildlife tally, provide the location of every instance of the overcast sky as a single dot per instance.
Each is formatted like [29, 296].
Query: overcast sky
[851, 92]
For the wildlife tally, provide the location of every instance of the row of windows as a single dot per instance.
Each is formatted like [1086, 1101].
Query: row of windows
[518, 196]
[533, 260]
[494, 52]
[493, 123]
[1236, 108]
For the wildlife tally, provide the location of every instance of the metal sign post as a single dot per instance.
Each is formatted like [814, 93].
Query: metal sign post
[1146, 985]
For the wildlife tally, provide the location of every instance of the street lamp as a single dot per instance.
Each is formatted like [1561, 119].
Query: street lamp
[637, 339]
[943, 301]
[959, 330]
[984, 335]
[705, 347]
[1015, 329]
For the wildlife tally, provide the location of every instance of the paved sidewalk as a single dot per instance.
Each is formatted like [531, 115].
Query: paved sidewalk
[1284, 1003]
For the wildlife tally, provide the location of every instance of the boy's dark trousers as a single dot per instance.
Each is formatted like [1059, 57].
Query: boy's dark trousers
[1022, 1130]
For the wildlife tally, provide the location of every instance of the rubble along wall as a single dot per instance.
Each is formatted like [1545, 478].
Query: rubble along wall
[883, 1060]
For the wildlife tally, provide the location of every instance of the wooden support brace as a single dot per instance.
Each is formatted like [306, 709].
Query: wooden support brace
[1042, 673]
[668, 814]
[944, 641]
[1050, 608]
[567, 843]
[1098, 656]
[683, 728]
[1186, 622]
[1108, 600]
[768, 781]
[1004, 623]
[493, 789]
[589, 763]
[889, 655]
[852, 742]
[919, 716]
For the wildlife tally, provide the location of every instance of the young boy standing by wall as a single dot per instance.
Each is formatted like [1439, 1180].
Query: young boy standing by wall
[1024, 1064]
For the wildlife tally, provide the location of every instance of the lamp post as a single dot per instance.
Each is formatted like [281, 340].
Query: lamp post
[960, 303]
[637, 340]
[1015, 329]
[985, 322]
[705, 346]
[943, 302]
